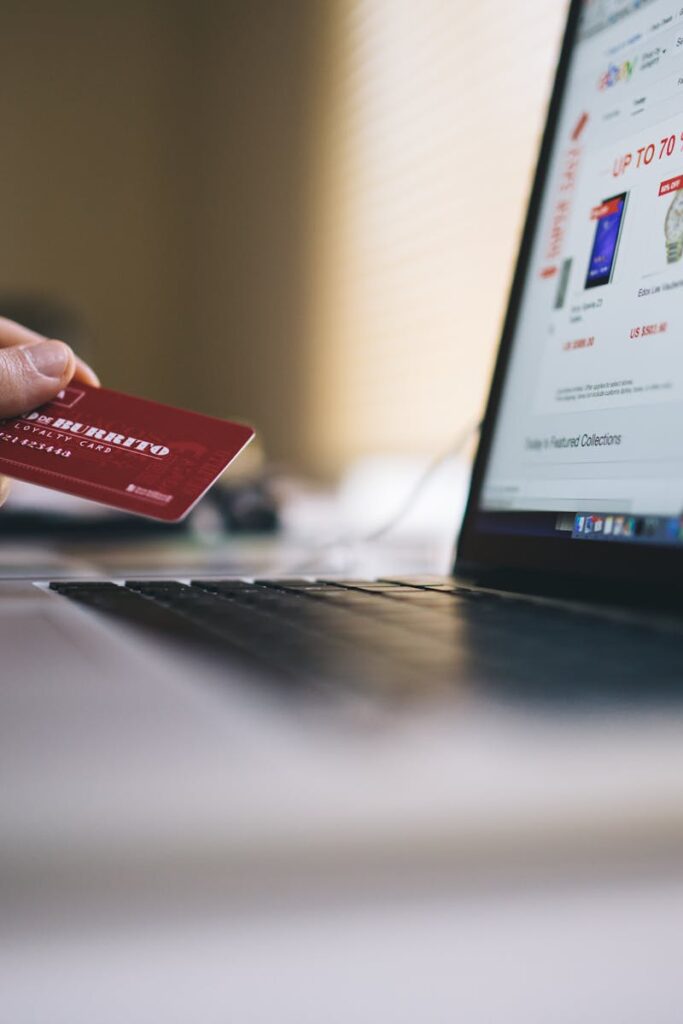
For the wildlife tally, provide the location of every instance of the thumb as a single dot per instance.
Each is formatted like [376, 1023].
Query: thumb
[33, 374]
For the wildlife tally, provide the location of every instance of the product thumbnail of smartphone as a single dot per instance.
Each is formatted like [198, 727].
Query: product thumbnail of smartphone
[609, 221]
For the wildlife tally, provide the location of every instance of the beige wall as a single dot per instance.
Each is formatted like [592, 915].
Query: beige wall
[154, 177]
[261, 208]
[90, 182]
[259, 89]
[434, 123]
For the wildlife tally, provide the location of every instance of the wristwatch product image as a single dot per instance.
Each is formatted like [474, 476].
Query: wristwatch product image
[673, 228]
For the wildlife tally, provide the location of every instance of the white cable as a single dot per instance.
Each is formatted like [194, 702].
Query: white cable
[349, 539]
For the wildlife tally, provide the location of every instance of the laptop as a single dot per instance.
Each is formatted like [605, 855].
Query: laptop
[574, 524]
[565, 588]
[178, 750]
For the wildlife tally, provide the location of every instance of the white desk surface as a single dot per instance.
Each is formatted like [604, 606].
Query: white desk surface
[471, 862]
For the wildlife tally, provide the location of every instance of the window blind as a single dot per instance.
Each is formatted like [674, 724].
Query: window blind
[428, 135]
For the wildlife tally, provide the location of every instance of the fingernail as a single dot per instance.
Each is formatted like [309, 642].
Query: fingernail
[50, 358]
[86, 374]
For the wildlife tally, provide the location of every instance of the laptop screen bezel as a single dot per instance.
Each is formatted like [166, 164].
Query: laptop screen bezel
[479, 549]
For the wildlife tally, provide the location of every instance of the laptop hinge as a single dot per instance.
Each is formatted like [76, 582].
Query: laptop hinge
[622, 593]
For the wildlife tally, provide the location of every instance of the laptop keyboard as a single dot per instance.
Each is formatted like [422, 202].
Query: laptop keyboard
[384, 632]
[397, 636]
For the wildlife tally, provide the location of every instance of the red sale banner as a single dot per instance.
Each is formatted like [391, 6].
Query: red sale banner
[579, 126]
[671, 185]
[604, 209]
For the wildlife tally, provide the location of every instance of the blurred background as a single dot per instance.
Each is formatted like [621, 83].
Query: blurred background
[300, 213]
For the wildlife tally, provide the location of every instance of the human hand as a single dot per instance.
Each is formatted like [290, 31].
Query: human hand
[32, 370]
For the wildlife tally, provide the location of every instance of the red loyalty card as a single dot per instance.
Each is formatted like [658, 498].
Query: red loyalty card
[127, 452]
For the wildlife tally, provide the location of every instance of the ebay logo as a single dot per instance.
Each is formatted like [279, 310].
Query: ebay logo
[616, 73]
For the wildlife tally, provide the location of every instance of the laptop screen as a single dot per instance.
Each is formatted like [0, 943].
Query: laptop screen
[587, 444]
